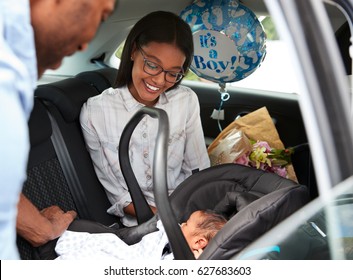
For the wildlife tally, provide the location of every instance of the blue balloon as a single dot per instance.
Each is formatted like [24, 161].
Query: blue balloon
[229, 40]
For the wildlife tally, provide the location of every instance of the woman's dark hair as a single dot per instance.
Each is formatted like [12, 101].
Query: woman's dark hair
[160, 27]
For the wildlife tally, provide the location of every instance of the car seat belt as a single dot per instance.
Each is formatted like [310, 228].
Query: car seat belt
[68, 168]
[142, 209]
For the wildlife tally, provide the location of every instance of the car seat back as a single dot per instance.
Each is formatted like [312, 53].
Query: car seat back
[63, 101]
[304, 168]
[60, 170]
[46, 184]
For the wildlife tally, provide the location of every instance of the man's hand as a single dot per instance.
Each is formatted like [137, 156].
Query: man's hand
[59, 219]
[39, 227]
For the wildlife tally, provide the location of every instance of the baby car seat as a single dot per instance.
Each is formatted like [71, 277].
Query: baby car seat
[253, 200]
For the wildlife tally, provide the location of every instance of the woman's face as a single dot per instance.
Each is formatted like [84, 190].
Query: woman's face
[146, 88]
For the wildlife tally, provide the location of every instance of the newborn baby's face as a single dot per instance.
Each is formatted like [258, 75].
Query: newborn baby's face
[188, 228]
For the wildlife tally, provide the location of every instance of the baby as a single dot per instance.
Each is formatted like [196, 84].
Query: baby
[198, 230]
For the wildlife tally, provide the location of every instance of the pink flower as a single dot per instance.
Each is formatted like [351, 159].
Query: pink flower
[260, 144]
[243, 159]
[263, 157]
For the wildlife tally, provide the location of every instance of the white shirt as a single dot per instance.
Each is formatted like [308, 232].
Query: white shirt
[103, 119]
[18, 76]
[98, 246]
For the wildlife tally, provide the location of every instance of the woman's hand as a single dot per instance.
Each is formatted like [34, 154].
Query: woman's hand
[130, 209]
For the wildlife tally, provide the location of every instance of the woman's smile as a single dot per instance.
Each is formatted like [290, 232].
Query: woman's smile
[151, 88]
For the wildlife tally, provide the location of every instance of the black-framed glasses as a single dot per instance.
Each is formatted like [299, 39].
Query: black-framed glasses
[154, 69]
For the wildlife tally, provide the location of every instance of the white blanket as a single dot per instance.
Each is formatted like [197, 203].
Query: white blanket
[82, 246]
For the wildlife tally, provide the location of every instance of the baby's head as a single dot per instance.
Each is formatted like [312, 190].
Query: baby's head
[201, 227]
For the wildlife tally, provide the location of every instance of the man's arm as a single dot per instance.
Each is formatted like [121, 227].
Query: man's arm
[39, 227]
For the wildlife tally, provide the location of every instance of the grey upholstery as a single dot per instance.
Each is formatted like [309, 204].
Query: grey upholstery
[47, 183]
[254, 200]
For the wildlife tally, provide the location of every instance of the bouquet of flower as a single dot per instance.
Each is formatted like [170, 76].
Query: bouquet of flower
[262, 156]
[238, 148]
[253, 140]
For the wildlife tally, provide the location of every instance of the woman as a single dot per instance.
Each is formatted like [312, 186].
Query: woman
[157, 54]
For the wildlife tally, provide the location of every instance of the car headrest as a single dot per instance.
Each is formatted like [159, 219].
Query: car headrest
[100, 79]
[67, 95]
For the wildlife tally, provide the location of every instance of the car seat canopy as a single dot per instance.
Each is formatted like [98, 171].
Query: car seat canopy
[253, 200]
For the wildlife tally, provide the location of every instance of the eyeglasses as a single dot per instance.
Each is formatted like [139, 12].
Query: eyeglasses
[155, 69]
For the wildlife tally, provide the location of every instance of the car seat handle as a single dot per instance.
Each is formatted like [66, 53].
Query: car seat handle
[176, 238]
[142, 209]
[180, 248]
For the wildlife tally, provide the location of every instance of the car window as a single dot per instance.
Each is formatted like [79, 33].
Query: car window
[321, 230]
[275, 73]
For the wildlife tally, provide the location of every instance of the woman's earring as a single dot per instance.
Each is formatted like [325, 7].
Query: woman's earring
[132, 59]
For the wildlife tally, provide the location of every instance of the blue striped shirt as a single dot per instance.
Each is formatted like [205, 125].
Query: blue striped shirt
[18, 76]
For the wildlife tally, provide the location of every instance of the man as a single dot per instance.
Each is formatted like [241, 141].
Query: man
[35, 35]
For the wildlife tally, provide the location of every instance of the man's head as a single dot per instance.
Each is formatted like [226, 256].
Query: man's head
[62, 27]
[201, 227]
